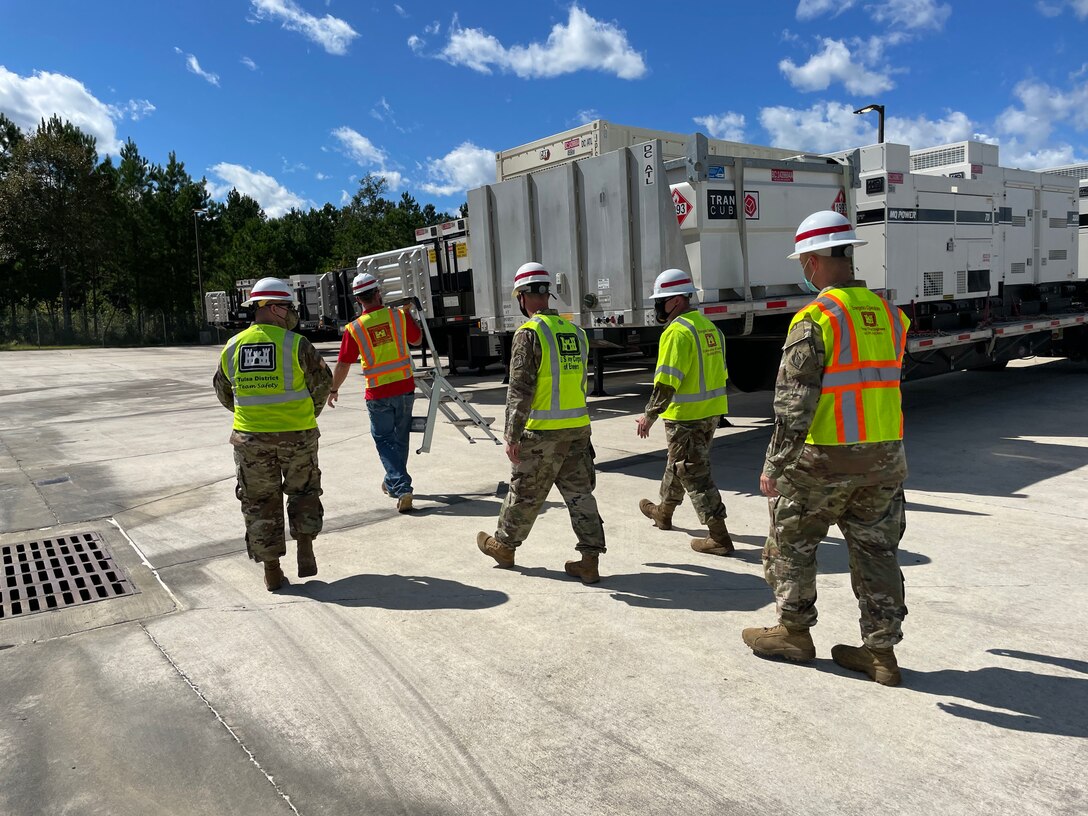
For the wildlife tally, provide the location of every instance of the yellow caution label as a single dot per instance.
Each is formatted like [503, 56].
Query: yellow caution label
[461, 251]
[430, 255]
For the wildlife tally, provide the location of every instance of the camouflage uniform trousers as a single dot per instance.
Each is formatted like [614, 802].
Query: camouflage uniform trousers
[688, 467]
[872, 519]
[563, 458]
[270, 466]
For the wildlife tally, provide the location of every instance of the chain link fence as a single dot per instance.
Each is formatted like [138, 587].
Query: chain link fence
[43, 327]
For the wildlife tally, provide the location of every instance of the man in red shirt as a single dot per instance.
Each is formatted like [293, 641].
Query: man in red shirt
[379, 339]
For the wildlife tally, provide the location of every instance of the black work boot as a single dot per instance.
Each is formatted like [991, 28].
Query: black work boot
[879, 664]
[778, 641]
[273, 575]
[307, 563]
[661, 514]
[586, 569]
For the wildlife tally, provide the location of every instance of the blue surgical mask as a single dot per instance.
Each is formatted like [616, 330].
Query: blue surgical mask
[809, 285]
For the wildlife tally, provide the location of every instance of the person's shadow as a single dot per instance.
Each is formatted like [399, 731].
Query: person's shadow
[1034, 702]
[408, 592]
[698, 587]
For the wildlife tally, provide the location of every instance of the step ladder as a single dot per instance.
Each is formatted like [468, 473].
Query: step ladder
[440, 395]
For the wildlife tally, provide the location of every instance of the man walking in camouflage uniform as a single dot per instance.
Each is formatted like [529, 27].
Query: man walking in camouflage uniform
[276, 384]
[689, 393]
[547, 430]
[836, 456]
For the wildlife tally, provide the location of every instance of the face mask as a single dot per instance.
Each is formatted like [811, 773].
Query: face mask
[521, 305]
[661, 314]
[291, 318]
[809, 285]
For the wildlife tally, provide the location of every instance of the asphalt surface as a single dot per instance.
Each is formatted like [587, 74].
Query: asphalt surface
[413, 677]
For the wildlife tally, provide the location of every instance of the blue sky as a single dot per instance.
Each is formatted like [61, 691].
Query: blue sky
[291, 101]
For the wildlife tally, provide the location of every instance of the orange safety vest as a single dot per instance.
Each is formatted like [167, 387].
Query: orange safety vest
[865, 338]
[382, 338]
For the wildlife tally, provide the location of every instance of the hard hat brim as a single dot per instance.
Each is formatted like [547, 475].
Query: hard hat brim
[793, 256]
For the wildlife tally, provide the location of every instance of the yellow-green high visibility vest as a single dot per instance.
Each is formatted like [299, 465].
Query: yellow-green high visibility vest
[382, 338]
[864, 337]
[691, 358]
[270, 393]
[560, 398]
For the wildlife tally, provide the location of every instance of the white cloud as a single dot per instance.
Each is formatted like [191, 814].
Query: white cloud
[134, 109]
[1013, 154]
[583, 43]
[1056, 7]
[331, 33]
[911, 14]
[274, 198]
[463, 168]
[248, 63]
[433, 28]
[28, 100]
[728, 125]
[345, 198]
[822, 128]
[923, 132]
[321, 176]
[810, 9]
[1041, 108]
[193, 65]
[397, 8]
[835, 64]
[416, 43]
[586, 115]
[366, 154]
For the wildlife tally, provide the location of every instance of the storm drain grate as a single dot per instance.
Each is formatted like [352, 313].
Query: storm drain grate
[58, 572]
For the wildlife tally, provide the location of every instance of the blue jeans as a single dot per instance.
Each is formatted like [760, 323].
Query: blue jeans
[390, 425]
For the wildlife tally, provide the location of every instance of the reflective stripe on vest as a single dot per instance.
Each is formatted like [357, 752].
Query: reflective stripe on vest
[251, 414]
[554, 415]
[859, 398]
[703, 401]
[377, 371]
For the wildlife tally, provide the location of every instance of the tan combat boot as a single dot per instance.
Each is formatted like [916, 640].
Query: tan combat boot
[879, 664]
[718, 542]
[273, 575]
[586, 569]
[307, 563]
[778, 641]
[404, 503]
[661, 514]
[489, 545]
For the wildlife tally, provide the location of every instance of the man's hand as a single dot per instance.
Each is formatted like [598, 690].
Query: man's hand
[513, 452]
[331, 400]
[768, 486]
[642, 426]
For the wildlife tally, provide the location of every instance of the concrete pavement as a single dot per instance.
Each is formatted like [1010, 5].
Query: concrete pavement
[412, 677]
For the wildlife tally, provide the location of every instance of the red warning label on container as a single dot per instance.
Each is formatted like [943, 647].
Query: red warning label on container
[895, 178]
[839, 204]
[781, 175]
[683, 207]
[751, 205]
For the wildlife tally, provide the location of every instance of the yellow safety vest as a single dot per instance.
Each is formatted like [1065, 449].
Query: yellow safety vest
[382, 338]
[864, 337]
[560, 398]
[691, 359]
[270, 393]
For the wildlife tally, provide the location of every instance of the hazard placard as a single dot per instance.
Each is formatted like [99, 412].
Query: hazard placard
[683, 206]
[839, 205]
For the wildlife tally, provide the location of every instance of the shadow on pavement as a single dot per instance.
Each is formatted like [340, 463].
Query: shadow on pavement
[408, 592]
[694, 586]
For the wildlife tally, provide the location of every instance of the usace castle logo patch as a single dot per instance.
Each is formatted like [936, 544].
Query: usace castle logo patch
[258, 357]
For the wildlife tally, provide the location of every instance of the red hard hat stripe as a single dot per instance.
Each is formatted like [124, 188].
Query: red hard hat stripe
[268, 293]
[531, 273]
[676, 283]
[801, 236]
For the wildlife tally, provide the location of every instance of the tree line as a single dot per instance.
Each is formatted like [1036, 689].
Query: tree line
[101, 249]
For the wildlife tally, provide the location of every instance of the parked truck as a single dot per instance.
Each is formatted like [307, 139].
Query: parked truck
[984, 259]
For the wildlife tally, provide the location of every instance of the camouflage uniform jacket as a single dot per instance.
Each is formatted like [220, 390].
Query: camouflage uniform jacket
[318, 379]
[525, 359]
[796, 395]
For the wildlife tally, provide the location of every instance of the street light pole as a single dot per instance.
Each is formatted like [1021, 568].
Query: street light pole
[199, 272]
[880, 121]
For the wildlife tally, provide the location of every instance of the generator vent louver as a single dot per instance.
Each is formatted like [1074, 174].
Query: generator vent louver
[1058, 223]
[1017, 268]
[961, 281]
[937, 158]
[1058, 255]
[1019, 221]
[932, 284]
[1077, 171]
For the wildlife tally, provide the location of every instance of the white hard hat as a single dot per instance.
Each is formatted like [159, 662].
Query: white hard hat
[673, 282]
[532, 277]
[364, 283]
[824, 230]
[270, 289]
